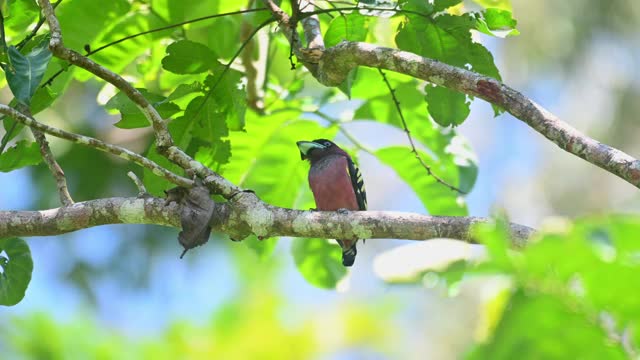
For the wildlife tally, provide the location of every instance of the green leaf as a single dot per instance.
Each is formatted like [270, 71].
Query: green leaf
[498, 4]
[20, 14]
[209, 119]
[419, 6]
[447, 38]
[119, 55]
[27, 71]
[188, 57]
[214, 155]
[319, 262]
[22, 154]
[132, 116]
[351, 27]
[206, 123]
[440, 5]
[16, 267]
[447, 147]
[496, 240]
[535, 326]
[496, 22]
[184, 90]
[82, 22]
[228, 95]
[447, 107]
[181, 10]
[437, 198]
[42, 99]
[225, 46]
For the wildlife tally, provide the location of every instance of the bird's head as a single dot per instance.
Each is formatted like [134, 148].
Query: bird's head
[318, 149]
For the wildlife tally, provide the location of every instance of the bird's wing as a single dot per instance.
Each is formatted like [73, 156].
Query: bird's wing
[358, 184]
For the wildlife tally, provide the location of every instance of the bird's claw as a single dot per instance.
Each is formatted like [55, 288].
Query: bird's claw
[343, 211]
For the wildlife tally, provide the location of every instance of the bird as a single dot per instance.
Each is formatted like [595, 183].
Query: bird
[336, 184]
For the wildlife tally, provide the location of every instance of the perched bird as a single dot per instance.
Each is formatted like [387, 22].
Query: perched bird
[336, 184]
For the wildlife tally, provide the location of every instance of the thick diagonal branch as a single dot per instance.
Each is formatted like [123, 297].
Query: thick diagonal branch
[336, 62]
[247, 216]
[96, 144]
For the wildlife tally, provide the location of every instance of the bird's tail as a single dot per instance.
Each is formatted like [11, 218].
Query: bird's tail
[349, 251]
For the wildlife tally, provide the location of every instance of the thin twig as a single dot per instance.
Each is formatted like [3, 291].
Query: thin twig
[163, 137]
[392, 91]
[293, 24]
[49, 159]
[288, 28]
[97, 144]
[141, 189]
[311, 27]
[115, 42]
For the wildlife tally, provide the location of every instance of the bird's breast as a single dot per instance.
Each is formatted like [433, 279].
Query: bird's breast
[331, 184]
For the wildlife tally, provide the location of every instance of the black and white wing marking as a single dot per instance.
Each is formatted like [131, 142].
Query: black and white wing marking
[358, 184]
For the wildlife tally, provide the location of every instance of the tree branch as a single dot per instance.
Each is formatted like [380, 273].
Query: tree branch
[216, 183]
[335, 63]
[249, 215]
[54, 167]
[311, 26]
[163, 137]
[49, 159]
[288, 28]
[96, 144]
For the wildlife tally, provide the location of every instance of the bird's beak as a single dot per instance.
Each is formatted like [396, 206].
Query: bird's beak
[306, 146]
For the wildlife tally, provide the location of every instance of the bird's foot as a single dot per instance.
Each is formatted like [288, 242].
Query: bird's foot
[343, 211]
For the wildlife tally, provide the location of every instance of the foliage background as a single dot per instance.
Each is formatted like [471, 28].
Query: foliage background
[120, 291]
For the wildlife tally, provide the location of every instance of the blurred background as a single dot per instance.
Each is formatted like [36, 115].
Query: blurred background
[122, 292]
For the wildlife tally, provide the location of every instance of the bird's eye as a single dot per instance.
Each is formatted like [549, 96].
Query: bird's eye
[327, 143]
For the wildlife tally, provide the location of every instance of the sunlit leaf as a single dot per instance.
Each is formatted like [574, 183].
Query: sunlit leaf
[496, 22]
[20, 14]
[351, 27]
[447, 107]
[499, 4]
